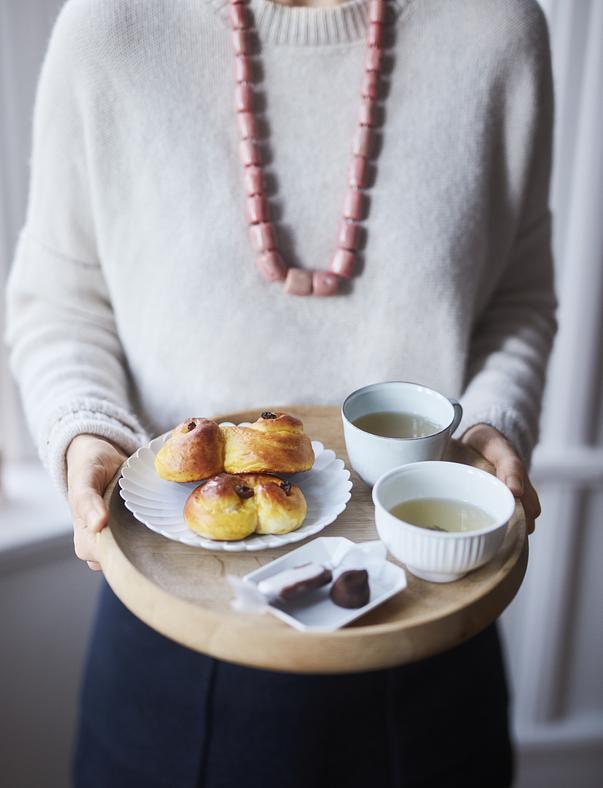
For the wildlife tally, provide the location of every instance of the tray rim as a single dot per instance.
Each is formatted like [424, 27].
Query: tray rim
[213, 633]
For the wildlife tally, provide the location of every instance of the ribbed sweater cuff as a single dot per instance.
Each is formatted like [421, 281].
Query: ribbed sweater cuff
[92, 417]
[508, 421]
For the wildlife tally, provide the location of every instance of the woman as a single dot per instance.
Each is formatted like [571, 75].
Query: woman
[135, 300]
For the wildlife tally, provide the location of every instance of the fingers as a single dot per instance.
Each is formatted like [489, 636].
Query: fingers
[509, 470]
[508, 467]
[531, 505]
[84, 543]
[492, 445]
[90, 515]
[91, 464]
[87, 506]
[87, 522]
[531, 501]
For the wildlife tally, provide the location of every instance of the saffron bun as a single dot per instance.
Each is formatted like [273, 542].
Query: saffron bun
[194, 451]
[199, 448]
[228, 507]
[275, 443]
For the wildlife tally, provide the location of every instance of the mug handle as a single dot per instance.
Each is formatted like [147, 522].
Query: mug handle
[458, 414]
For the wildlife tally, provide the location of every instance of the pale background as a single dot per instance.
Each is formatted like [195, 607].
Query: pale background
[554, 628]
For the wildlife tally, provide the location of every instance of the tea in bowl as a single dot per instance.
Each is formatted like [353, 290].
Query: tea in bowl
[442, 519]
[388, 424]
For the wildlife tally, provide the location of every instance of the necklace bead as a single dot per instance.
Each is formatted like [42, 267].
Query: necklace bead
[242, 68]
[243, 97]
[347, 237]
[368, 113]
[271, 266]
[257, 209]
[246, 124]
[324, 283]
[239, 16]
[358, 172]
[253, 180]
[377, 10]
[343, 263]
[363, 142]
[263, 238]
[240, 41]
[375, 34]
[249, 152]
[354, 205]
[298, 282]
[370, 85]
[373, 58]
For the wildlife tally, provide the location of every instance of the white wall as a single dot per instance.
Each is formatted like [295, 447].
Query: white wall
[555, 627]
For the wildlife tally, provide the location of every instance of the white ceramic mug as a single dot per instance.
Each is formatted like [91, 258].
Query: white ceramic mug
[433, 555]
[372, 455]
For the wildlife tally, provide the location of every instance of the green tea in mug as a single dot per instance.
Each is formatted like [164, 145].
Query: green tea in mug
[396, 424]
[442, 514]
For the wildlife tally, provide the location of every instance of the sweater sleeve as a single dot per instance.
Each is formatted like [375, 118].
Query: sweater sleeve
[65, 350]
[513, 336]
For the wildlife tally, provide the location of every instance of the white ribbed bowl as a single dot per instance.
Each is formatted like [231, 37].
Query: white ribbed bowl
[432, 555]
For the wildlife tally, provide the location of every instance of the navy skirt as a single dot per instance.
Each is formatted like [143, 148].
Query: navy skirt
[154, 714]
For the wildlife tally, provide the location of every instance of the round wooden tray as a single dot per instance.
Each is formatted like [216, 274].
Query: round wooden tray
[181, 591]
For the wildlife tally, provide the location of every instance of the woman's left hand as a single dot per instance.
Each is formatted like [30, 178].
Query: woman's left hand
[493, 445]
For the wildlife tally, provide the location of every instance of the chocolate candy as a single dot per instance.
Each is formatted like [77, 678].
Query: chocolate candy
[291, 582]
[351, 589]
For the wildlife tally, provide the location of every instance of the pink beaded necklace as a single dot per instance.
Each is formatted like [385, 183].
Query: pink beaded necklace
[262, 233]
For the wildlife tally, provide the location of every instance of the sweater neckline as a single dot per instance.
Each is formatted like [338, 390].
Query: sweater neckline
[309, 26]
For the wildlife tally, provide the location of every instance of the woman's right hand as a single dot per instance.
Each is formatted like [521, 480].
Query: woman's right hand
[91, 464]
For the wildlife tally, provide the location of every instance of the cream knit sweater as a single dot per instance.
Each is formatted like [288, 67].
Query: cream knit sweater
[134, 301]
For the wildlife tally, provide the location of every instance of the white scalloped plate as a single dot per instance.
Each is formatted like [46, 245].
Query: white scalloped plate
[159, 504]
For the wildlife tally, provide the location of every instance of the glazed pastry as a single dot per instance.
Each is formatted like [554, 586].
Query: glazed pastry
[290, 582]
[228, 507]
[275, 443]
[223, 507]
[351, 589]
[199, 448]
[194, 451]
